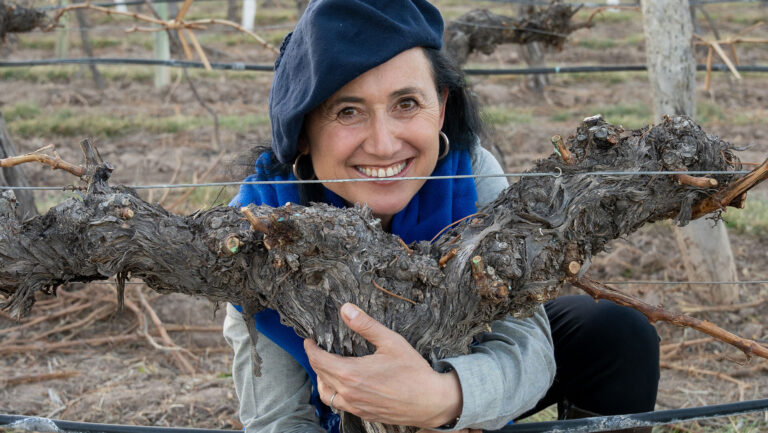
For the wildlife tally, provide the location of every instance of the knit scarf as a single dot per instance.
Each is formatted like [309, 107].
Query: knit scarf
[438, 203]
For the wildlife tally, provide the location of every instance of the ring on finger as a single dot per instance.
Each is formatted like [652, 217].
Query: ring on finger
[333, 409]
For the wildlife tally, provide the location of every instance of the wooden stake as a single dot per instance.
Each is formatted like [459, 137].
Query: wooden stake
[249, 14]
[62, 35]
[708, 76]
[162, 50]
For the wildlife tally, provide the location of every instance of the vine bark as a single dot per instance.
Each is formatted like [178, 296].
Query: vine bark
[305, 262]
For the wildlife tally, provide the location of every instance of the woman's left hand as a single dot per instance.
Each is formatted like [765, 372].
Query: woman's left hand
[394, 385]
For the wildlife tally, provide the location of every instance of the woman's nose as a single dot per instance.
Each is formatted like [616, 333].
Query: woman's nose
[382, 140]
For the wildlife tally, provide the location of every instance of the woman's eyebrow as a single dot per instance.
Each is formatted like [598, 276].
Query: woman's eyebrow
[406, 91]
[345, 99]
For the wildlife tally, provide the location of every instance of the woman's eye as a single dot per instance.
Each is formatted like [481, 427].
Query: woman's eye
[407, 104]
[347, 113]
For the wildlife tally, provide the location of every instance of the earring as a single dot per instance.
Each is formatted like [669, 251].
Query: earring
[447, 146]
[296, 168]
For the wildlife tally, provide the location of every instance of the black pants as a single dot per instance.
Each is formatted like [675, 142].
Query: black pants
[607, 357]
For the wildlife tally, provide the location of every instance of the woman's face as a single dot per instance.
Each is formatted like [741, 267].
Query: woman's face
[384, 124]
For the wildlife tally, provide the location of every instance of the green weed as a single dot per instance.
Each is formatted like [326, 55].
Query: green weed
[731, 424]
[26, 120]
[628, 115]
[598, 44]
[707, 112]
[603, 77]
[205, 198]
[21, 110]
[753, 219]
[507, 115]
[243, 122]
[618, 17]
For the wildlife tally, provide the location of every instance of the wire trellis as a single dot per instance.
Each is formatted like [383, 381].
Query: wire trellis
[616, 283]
[316, 181]
[242, 66]
[522, 2]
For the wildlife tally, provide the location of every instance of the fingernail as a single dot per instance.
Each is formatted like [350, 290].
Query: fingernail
[349, 311]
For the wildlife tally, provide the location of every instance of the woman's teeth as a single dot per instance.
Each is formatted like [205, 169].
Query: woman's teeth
[390, 171]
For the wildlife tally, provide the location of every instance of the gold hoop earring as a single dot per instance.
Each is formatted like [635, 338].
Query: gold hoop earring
[447, 145]
[296, 168]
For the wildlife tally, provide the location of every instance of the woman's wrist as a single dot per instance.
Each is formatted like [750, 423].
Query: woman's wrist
[449, 392]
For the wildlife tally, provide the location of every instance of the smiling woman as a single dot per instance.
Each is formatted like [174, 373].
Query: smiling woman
[362, 91]
[383, 124]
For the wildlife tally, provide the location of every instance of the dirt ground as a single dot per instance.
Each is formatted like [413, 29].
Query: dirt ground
[76, 358]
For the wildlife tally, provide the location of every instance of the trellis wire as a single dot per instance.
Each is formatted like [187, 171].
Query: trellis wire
[609, 5]
[602, 423]
[615, 283]
[123, 28]
[126, 3]
[242, 66]
[373, 179]
[523, 2]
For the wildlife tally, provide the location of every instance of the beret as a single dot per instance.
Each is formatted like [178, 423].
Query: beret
[334, 42]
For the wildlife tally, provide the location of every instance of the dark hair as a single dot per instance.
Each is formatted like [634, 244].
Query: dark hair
[462, 123]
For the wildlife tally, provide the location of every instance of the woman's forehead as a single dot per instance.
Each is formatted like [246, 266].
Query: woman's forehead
[407, 72]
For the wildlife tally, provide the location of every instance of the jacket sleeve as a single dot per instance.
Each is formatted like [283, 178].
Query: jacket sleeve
[510, 368]
[508, 371]
[277, 402]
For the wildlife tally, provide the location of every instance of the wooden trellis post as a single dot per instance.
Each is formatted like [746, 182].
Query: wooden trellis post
[162, 49]
[62, 35]
[704, 245]
[14, 176]
[120, 6]
[249, 14]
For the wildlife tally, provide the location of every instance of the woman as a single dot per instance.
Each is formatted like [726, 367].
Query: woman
[361, 90]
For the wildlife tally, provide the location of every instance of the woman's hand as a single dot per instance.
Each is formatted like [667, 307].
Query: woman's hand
[394, 385]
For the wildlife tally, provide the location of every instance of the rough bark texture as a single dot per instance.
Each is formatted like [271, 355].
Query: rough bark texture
[672, 74]
[671, 67]
[18, 19]
[482, 30]
[305, 262]
[14, 176]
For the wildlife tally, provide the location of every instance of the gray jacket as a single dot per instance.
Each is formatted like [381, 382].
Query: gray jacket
[506, 374]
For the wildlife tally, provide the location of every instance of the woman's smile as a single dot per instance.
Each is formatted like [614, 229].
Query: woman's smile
[382, 171]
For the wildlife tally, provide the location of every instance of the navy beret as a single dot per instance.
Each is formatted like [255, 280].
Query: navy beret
[334, 42]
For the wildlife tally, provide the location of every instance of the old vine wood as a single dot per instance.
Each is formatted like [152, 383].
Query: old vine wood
[305, 262]
[482, 30]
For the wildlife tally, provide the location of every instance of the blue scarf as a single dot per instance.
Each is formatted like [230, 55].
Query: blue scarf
[438, 203]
